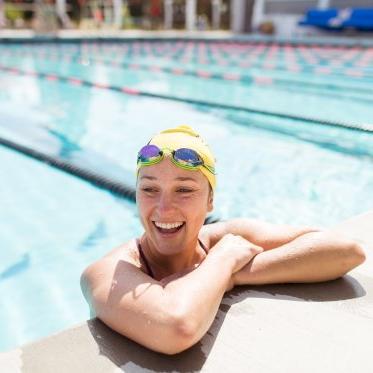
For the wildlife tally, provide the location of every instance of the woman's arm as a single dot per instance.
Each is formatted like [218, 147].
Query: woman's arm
[312, 257]
[170, 315]
[266, 235]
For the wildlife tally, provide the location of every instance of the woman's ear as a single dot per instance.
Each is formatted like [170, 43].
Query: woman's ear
[210, 203]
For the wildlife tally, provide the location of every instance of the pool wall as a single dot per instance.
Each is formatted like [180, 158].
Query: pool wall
[323, 327]
[363, 40]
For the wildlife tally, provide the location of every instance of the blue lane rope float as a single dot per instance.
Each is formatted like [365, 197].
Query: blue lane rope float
[365, 127]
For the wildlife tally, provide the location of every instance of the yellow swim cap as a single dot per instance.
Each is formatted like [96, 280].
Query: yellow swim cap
[186, 137]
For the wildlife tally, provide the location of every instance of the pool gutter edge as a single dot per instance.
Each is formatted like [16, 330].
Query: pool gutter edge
[93, 347]
[7, 35]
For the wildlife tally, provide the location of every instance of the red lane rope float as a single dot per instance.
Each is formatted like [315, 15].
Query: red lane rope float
[51, 77]
[74, 81]
[231, 76]
[267, 63]
[100, 85]
[177, 71]
[366, 127]
[130, 91]
[244, 78]
[266, 80]
[204, 74]
[233, 49]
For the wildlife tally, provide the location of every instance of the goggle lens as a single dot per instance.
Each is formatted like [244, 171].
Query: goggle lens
[187, 157]
[184, 157]
[149, 153]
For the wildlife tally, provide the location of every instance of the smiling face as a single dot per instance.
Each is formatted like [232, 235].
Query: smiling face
[172, 203]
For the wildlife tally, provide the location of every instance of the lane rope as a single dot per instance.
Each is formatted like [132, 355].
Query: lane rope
[205, 74]
[121, 189]
[365, 127]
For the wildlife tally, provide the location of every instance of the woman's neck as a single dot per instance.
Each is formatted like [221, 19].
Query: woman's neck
[166, 265]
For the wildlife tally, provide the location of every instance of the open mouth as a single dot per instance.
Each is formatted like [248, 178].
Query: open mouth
[168, 228]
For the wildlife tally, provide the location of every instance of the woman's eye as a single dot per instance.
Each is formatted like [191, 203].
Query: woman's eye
[185, 190]
[149, 190]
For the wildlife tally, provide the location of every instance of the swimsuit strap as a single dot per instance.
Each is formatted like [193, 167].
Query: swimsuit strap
[203, 246]
[148, 268]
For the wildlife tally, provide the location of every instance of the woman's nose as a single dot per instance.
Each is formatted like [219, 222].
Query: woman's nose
[165, 203]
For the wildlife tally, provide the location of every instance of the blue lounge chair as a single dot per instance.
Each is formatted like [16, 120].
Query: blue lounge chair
[338, 19]
[360, 19]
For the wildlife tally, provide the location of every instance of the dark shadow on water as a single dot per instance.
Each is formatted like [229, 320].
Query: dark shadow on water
[98, 233]
[22, 265]
[132, 357]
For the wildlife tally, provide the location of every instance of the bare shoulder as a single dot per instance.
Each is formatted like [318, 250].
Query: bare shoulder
[106, 267]
[125, 251]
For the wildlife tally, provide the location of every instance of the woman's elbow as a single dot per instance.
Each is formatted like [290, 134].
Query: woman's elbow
[180, 339]
[174, 347]
[84, 283]
[355, 255]
[185, 335]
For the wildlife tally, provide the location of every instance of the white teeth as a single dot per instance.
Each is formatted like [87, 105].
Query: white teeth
[168, 225]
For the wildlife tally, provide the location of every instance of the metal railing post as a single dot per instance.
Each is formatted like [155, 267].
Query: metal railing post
[168, 14]
[216, 13]
[323, 4]
[62, 14]
[238, 12]
[118, 9]
[190, 14]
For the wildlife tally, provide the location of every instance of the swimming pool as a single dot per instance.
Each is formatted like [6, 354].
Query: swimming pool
[271, 114]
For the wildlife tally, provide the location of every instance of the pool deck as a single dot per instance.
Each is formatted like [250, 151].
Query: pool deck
[7, 35]
[324, 327]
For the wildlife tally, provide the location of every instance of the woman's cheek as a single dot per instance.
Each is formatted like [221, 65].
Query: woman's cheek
[186, 199]
[144, 205]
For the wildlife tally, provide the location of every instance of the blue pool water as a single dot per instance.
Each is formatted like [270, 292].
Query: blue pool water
[52, 224]
[274, 168]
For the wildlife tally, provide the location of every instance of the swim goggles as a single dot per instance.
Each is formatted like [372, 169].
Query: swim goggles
[185, 158]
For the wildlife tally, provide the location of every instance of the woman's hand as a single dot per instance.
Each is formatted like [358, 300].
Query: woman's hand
[238, 252]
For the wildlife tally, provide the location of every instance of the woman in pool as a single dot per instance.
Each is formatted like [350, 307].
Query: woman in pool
[163, 289]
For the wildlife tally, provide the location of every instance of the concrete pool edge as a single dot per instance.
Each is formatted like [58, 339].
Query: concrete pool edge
[26, 35]
[343, 307]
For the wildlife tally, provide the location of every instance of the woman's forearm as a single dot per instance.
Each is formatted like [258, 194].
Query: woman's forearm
[267, 235]
[312, 257]
[196, 296]
[167, 316]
